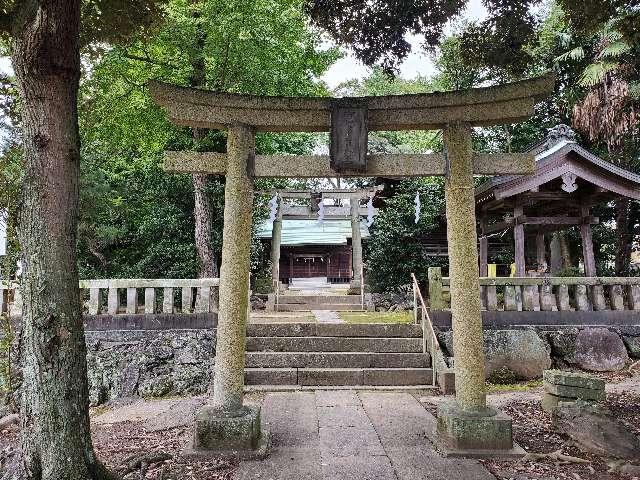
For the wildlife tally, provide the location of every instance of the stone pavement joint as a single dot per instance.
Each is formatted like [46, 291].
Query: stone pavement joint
[345, 435]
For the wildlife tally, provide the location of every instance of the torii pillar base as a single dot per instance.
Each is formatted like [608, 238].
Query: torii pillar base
[235, 436]
[485, 433]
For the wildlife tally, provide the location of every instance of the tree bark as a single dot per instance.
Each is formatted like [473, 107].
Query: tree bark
[203, 213]
[203, 208]
[565, 251]
[624, 237]
[56, 439]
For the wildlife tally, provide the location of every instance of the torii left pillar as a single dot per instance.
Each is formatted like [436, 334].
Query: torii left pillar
[225, 426]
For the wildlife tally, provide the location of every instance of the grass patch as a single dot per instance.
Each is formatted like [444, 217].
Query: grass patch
[513, 387]
[376, 317]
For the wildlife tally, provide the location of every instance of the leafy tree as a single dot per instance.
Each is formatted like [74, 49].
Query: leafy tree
[125, 132]
[395, 248]
[44, 40]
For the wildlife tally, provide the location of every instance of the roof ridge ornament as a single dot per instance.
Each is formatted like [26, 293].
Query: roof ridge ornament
[559, 133]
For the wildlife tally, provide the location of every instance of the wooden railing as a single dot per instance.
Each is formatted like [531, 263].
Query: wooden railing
[132, 296]
[545, 293]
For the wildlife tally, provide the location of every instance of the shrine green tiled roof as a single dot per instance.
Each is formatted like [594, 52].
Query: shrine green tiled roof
[310, 232]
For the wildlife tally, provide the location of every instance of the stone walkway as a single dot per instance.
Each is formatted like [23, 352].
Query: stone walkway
[336, 435]
[326, 316]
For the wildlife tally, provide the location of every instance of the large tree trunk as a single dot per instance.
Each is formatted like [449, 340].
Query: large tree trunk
[624, 237]
[56, 440]
[203, 208]
[565, 251]
[203, 213]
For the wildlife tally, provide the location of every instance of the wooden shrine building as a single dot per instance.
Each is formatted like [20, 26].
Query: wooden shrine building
[313, 249]
[568, 181]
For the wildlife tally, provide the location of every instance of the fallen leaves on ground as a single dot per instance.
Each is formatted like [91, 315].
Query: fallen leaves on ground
[533, 431]
[136, 453]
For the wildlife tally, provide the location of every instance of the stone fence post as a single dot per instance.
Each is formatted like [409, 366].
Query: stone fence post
[436, 302]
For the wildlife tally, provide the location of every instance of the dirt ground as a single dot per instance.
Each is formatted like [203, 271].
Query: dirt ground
[137, 452]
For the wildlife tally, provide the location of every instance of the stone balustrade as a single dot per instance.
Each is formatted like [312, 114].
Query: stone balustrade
[545, 293]
[136, 296]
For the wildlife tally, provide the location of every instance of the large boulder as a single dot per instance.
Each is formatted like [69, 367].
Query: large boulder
[522, 352]
[631, 338]
[596, 431]
[563, 345]
[600, 350]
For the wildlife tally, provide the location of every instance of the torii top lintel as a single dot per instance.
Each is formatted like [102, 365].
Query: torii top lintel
[500, 104]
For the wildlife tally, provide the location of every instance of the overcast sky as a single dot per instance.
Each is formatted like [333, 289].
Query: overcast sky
[416, 63]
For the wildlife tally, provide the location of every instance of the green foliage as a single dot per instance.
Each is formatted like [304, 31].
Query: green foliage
[11, 175]
[395, 248]
[136, 220]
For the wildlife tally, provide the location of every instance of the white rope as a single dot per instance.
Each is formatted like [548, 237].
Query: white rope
[417, 202]
[273, 204]
[321, 212]
[370, 211]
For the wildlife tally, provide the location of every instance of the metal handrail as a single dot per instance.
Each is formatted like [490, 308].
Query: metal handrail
[433, 344]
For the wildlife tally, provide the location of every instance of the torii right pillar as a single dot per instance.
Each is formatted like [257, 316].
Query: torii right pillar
[467, 426]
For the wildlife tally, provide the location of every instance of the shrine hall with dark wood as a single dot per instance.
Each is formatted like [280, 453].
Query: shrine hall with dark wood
[568, 181]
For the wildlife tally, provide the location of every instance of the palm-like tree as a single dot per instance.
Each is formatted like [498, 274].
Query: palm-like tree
[609, 113]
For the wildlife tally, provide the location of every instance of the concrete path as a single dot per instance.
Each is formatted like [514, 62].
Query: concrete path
[326, 316]
[336, 435]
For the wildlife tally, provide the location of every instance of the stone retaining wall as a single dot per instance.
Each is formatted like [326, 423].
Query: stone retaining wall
[162, 355]
[527, 350]
[149, 355]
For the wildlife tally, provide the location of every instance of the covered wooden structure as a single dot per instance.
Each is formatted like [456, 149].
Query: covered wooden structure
[316, 249]
[302, 247]
[568, 181]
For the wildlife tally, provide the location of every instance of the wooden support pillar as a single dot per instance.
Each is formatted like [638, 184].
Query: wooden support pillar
[276, 237]
[234, 272]
[484, 269]
[484, 248]
[468, 343]
[541, 250]
[518, 238]
[356, 244]
[587, 246]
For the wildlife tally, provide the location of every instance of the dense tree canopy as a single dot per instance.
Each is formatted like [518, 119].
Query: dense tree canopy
[140, 220]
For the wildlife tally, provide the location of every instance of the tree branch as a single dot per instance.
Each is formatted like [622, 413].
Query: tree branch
[148, 59]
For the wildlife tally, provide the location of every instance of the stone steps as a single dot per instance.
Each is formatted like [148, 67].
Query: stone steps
[334, 344]
[369, 330]
[323, 355]
[295, 303]
[338, 376]
[302, 307]
[320, 299]
[336, 360]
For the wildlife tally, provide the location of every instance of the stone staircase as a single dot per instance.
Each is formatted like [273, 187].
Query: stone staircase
[315, 354]
[297, 303]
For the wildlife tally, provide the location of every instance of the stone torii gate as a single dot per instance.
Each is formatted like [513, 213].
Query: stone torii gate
[227, 426]
[353, 195]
